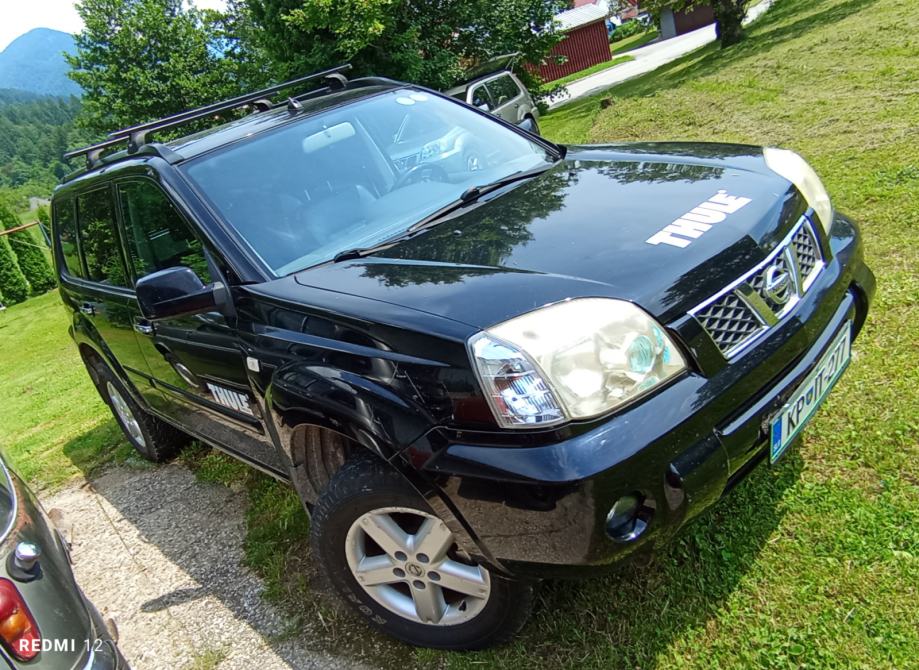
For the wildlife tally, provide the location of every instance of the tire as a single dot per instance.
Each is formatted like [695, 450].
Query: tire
[151, 437]
[402, 595]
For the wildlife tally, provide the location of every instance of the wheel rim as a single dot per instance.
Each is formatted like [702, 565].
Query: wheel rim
[405, 560]
[125, 415]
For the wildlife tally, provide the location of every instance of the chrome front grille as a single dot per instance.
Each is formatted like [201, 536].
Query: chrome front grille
[808, 253]
[729, 321]
[739, 314]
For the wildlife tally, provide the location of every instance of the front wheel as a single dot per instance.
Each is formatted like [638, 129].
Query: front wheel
[393, 560]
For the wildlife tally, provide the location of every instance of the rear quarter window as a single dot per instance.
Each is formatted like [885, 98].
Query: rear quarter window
[65, 225]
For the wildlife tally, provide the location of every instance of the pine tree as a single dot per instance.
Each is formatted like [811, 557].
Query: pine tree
[31, 257]
[13, 284]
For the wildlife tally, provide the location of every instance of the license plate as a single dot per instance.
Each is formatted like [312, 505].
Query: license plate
[810, 395]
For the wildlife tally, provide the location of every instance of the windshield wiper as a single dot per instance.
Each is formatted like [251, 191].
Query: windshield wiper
[473, 193]
[469, 196]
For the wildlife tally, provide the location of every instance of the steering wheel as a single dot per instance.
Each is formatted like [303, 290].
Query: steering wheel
[419, 173]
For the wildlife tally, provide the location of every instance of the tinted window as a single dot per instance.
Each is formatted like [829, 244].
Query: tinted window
[503, 89]
[66, 226]
[157, 235]
[98, 239]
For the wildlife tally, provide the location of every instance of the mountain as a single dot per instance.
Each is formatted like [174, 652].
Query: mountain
[34, 62]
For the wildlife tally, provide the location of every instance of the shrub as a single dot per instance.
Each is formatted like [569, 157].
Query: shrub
[627, 29]
[30, 257]
[13, 285]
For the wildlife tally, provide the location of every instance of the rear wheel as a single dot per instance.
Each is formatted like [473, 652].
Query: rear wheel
[394, 561]
[152, 438]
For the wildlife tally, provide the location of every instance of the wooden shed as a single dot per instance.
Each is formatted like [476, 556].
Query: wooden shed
[585, 42]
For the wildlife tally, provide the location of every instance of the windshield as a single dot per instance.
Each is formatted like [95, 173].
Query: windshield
[357, 175]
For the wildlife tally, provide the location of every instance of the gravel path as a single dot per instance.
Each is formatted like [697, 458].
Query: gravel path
[162, 553]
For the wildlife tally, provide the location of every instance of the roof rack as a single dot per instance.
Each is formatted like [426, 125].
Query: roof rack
[136, 136]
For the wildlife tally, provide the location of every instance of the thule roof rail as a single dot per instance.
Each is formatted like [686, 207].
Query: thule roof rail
[136, 136]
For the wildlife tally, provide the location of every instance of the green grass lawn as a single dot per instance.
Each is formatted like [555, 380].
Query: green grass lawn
[586, 72]
[54, 424]
[633, 42]
[813, 563]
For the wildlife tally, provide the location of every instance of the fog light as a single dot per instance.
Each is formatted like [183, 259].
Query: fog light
[624, 522]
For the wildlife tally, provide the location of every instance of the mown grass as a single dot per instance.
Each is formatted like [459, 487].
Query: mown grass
[53, 424]
[586, 72]
[813, 563]
[633, 42]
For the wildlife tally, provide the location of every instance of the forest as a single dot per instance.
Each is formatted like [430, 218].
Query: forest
[35, 131]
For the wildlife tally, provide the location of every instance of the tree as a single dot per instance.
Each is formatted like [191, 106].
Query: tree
[137, 60]
[13, 285]
[34, 133]
[729, 15]
[416, 40]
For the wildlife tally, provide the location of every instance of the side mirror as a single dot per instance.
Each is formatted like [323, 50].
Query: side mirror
[175, 292]
[528, 125]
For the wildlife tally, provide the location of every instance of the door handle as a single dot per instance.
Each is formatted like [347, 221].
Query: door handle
[143, 327]
[87, 309]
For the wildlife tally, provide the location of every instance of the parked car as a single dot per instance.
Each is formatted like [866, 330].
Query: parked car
[46, 622]
[474, 376]
[502, 94]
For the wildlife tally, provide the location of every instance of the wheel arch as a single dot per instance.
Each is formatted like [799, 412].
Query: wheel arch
[319, 427]
[323, 414]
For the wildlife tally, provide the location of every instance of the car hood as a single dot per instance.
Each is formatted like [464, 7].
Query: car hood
[581, 230]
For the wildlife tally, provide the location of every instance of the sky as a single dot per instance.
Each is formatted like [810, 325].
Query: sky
[20, 16]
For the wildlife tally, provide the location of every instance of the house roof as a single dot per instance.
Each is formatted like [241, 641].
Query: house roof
[581, 16]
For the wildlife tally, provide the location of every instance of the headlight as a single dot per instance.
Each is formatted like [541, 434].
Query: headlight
[572, 360]
[795, 169]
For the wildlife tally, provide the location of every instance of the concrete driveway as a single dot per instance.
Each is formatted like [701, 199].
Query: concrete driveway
[647, 58]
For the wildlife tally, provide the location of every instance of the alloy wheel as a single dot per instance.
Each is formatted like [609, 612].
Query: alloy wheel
[125, 414]
[405, 560]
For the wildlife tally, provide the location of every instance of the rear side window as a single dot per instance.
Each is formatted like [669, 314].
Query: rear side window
[503, 89]
[98, 238]
[157, 235]
[65, 223]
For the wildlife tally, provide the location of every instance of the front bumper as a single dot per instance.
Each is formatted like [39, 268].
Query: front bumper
[542, 510]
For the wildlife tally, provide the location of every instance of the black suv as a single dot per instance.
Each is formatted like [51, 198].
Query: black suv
[505, 360]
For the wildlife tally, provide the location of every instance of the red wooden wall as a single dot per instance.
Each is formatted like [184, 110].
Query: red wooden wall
[584, 46]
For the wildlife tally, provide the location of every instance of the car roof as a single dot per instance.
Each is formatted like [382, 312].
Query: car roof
[189, 146]
[198, 143]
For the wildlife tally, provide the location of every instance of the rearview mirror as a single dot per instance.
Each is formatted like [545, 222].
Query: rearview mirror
[175, 292]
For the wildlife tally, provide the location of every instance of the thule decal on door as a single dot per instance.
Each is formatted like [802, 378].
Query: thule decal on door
[699, 220]
[231, 399]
